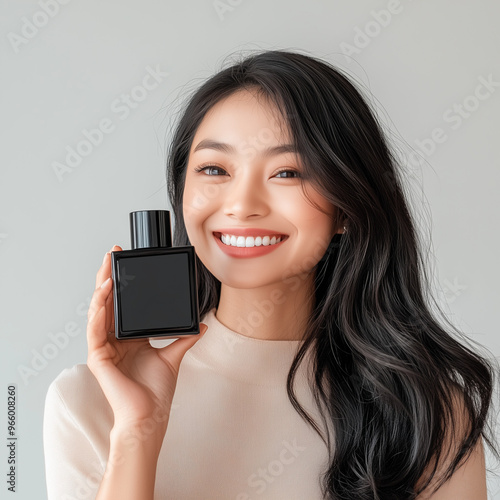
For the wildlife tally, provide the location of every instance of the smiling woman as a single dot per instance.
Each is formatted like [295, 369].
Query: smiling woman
[388, 374]
[313, 294]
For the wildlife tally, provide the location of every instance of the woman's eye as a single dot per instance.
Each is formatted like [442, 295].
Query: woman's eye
[209, 168]
[287, 171]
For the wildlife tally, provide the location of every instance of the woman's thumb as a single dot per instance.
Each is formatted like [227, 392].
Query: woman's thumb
[174, 352]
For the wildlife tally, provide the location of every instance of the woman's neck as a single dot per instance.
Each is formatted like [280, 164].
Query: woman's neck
[274, 312]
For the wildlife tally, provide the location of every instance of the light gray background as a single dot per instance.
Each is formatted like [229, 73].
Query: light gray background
[67, 73]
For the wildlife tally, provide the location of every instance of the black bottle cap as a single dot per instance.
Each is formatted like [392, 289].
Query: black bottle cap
[150, 229]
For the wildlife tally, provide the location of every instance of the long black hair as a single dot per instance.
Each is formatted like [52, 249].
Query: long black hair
[387, 375]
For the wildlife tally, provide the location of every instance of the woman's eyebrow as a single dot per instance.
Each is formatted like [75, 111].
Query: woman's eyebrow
[229, 149]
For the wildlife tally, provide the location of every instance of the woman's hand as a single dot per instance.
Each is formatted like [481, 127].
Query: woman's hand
[137, 379]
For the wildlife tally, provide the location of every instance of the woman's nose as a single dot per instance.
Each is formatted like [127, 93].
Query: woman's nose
[245, 198]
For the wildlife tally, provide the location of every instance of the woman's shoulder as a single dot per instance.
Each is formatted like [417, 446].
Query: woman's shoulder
[76, 392]
[75, 379]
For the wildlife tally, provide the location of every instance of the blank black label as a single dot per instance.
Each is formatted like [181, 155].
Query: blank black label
[155, 292]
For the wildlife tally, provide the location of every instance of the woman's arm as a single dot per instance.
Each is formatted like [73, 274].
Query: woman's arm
[469, 480]
[131, 468]
[138, 382]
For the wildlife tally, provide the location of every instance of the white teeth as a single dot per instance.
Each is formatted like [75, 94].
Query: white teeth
[249, 241]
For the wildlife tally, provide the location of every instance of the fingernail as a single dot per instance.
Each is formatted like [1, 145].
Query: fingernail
[105, 283]
[105, 255]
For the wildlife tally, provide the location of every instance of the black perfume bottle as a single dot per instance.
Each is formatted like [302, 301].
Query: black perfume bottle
[155, 288]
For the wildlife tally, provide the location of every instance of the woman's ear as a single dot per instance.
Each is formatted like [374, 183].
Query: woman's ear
[342, 226]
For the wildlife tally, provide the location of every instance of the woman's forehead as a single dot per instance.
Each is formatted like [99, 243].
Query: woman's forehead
[226, 114]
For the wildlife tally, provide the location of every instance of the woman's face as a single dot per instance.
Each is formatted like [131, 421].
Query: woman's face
[242, 191]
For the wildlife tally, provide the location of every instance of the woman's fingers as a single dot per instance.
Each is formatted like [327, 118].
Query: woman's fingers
[110, 313]
[96, 325]
[104, 271]
[102, 275]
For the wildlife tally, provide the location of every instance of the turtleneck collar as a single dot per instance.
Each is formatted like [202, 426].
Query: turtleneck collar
[238, 357]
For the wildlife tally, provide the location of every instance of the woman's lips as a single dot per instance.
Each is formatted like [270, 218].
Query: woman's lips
[247, 252]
